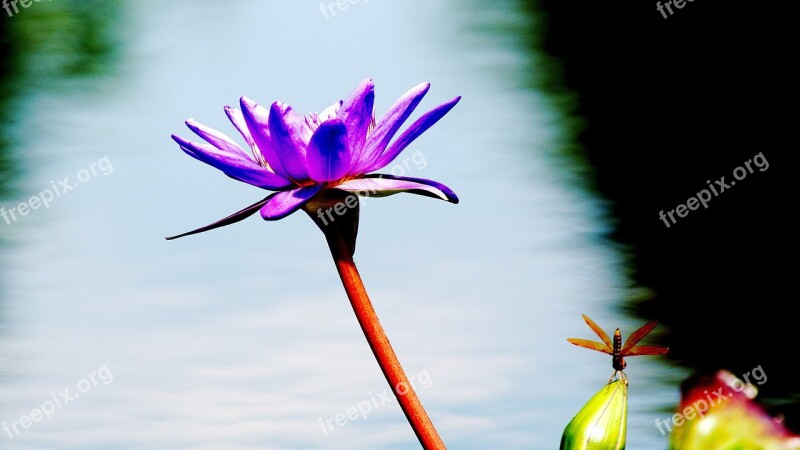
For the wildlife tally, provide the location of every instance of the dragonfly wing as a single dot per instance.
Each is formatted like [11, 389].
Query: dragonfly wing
[647, 350]
[599, 331]
[592, 345]
[637, 335]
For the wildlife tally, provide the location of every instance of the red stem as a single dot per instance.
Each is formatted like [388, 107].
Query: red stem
[340, 231]
[387, 359]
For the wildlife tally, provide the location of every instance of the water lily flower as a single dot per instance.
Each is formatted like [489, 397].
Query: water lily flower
[322, 163]
[300, 157]
[602, 423]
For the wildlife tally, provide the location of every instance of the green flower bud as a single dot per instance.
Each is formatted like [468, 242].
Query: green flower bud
[601, 424]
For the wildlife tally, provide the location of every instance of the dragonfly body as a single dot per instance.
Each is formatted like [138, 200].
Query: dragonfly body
[616, 349]
[617, 360]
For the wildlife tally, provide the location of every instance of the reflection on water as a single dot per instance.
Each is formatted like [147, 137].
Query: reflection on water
[53, 42]
[519, 28]
[45, 47]
[7, 86]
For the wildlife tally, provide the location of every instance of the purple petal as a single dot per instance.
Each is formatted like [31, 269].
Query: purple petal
[389, 123]
[357, 112]
[414, 131]
[290, 134]
[233, 218]
[384, 185]
[284, 203]
[328, 153]
[216, 138]
[237, 119]
[235, 166]
[257, 119]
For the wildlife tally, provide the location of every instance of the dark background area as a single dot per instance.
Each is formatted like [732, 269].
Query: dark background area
[671, 103]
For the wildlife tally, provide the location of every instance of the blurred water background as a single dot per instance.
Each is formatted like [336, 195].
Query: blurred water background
[242, 337]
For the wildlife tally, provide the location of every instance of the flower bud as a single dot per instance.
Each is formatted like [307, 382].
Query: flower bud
[601, 424]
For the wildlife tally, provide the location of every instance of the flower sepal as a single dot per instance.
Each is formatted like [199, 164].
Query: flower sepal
[336, 213]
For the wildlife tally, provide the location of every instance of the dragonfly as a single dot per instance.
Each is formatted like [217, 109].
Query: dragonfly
[615, 348]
